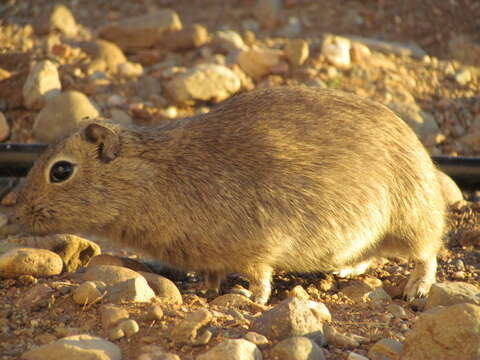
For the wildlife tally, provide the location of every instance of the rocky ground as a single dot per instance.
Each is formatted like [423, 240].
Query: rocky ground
[149, 61]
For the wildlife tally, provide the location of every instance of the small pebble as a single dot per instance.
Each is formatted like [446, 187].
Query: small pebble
[256, 338]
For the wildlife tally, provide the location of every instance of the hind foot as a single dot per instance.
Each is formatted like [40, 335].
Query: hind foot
[421, 279]
[260, 280]
[211, 283]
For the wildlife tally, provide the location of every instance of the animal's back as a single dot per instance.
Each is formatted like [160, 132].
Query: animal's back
[305, 180]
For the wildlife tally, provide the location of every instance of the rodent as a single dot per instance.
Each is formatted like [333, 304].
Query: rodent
[295, 179]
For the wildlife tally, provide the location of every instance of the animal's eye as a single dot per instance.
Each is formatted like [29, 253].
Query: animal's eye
[61, 171]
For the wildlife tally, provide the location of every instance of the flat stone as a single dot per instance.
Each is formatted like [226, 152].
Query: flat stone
[28, 261]
[354, 356]
[62, 115]
[452, 332]
[42, 84]
[154, 312]
[291, 317]
[205, 82]
[132, 290]
[257, 339]
[130, 69]
[186, 332]
[452, 292]
[335, 338]
[236, 301]
[356, 290]
[258, 62]
[228, 41]
[75, 251]
[106, 259]
[143, 31]
[109, 274]
[238, 349]
[386, 349]
[163, 287]
[297, 348]
[87, 293]
[126, 327]
[397, 311]
[77, 347]
[110, 315]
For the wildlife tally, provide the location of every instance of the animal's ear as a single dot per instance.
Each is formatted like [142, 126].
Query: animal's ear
[107, 140]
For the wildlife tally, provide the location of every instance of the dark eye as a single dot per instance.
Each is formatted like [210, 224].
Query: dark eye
[61, 171]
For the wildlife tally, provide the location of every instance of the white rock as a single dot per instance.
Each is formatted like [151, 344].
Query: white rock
[385, 349]
[238, 349]
[42, 84]
[463, 77]
[130, 69]
[228, 41]
[74, 250]
[451, 332]
[452, 292]
[62, 115]
[27, 261]
[297, 348]
[142, 31]
[87, 293]
[337, 51]
[206, 82]
[110, 315]
[127, 327]
[292, 317]
[163, 287]
[258, 62]
[77, 347]
[109, 274]
[134, 290]
[354, 356]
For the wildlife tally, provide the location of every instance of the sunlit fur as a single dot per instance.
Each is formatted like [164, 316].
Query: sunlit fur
[288, 179]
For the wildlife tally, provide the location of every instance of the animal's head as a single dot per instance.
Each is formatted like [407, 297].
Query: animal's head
[79, 184]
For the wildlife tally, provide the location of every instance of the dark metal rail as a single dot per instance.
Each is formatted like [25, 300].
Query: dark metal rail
[17, 159]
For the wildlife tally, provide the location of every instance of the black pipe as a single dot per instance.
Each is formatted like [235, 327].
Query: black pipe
[464, 170]
[17, 159]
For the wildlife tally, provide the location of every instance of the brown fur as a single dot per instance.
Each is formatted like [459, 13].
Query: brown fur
[288, 179]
